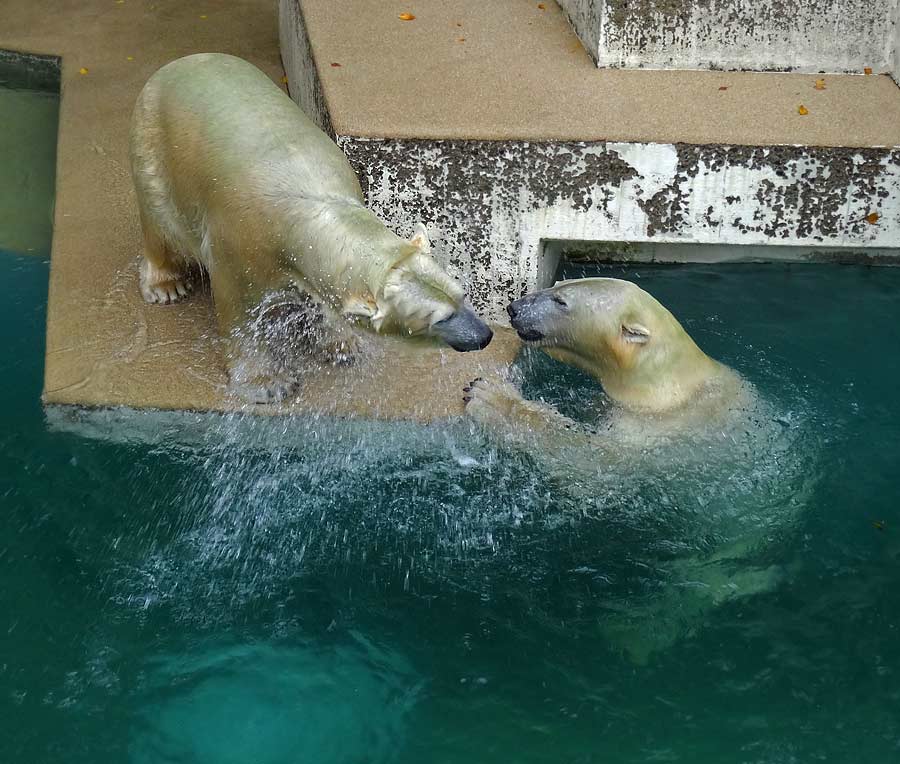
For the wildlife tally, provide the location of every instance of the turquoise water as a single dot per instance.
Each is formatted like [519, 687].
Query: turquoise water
[319, 592]
[28, 121]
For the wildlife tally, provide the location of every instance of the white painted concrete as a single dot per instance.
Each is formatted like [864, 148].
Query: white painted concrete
[805, 36]
[753, 205]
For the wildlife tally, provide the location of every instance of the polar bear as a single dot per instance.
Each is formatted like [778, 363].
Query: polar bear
[230, 174]
[678, 423]
[632, 345]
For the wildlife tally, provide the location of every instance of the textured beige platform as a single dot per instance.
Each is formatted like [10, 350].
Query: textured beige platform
[104, 345]
[508, 70]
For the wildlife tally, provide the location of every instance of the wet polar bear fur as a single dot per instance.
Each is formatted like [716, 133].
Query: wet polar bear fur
[230, 174]
[675, 412]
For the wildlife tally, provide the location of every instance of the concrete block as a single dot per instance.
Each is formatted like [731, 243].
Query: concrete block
[768, 35]
[895, 64]
[492, 206]
[511, 157]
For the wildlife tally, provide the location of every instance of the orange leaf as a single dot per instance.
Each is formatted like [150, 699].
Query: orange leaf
[723, 87]
[461, 39]
[542, 6]
[820, 85]
[867, 70]
[872, 218]
[803, 111]
[406, 17]
[335, 63]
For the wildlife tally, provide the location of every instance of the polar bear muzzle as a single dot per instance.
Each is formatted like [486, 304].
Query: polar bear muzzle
[530, 315]
[463, 330]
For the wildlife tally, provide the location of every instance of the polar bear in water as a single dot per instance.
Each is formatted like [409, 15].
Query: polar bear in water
[680, 425]
[230, 173]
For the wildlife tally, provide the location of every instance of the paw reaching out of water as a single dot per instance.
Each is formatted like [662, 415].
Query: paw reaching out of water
[491, 400]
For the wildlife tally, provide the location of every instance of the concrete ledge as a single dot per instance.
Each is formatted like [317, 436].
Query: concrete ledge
[767, 35]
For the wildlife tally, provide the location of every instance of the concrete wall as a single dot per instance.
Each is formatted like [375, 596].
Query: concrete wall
[299, 65]
[805, 35]
[491, 206]
[895, 71]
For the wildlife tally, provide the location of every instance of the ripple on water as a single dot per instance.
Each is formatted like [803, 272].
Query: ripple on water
[224, 703]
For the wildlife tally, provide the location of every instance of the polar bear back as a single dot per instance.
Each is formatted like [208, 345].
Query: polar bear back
[225, 125]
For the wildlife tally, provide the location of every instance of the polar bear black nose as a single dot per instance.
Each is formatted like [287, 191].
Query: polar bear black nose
[464, 331]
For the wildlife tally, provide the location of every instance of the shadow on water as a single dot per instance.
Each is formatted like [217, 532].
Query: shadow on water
[196, 588]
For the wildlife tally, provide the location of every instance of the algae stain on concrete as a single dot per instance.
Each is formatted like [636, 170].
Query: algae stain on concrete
[28, 124]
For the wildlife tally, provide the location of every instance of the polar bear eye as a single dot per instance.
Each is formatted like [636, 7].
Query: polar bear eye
[560, 301]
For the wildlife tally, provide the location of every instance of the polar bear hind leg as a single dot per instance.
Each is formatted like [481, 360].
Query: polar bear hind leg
[166, 247]
[163, 277]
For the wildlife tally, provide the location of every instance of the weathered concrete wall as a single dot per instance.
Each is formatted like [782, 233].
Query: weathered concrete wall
[499, 212]
[895, 70]
[805, 35]
[490, 205]
[299, 65]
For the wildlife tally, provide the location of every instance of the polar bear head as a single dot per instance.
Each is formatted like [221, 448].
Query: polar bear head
[419, 298]
[621, 335]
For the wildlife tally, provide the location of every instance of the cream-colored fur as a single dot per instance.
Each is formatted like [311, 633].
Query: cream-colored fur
[633, 346]
[231, 175]
[673, 407]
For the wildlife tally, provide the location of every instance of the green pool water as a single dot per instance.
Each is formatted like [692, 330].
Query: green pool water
[323, 592]
[28, 120]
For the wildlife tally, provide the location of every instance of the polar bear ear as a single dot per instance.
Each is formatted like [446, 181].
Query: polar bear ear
[420, 238]
[636, 333]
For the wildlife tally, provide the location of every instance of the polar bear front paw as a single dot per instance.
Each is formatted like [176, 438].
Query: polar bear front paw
[162, 286]
[491, 400]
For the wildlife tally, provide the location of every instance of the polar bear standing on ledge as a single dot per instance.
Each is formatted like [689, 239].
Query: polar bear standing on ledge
[230, 173]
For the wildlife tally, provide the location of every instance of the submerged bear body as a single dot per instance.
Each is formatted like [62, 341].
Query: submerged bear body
[230, 173]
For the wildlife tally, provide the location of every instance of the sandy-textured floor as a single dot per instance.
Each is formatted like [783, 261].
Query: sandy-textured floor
[508, 69]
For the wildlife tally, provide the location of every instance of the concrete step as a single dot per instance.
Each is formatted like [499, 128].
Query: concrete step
[490, 123]
[767, 35]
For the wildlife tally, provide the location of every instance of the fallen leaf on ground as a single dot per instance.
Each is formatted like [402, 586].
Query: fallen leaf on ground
[820, 85]
[335, 63]
[284, 80]
[542, 6]
[872, 218]
[803, 110]
[867, 70]
[406, 17]
[461, 39]
[83, 70]
[723, 87]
